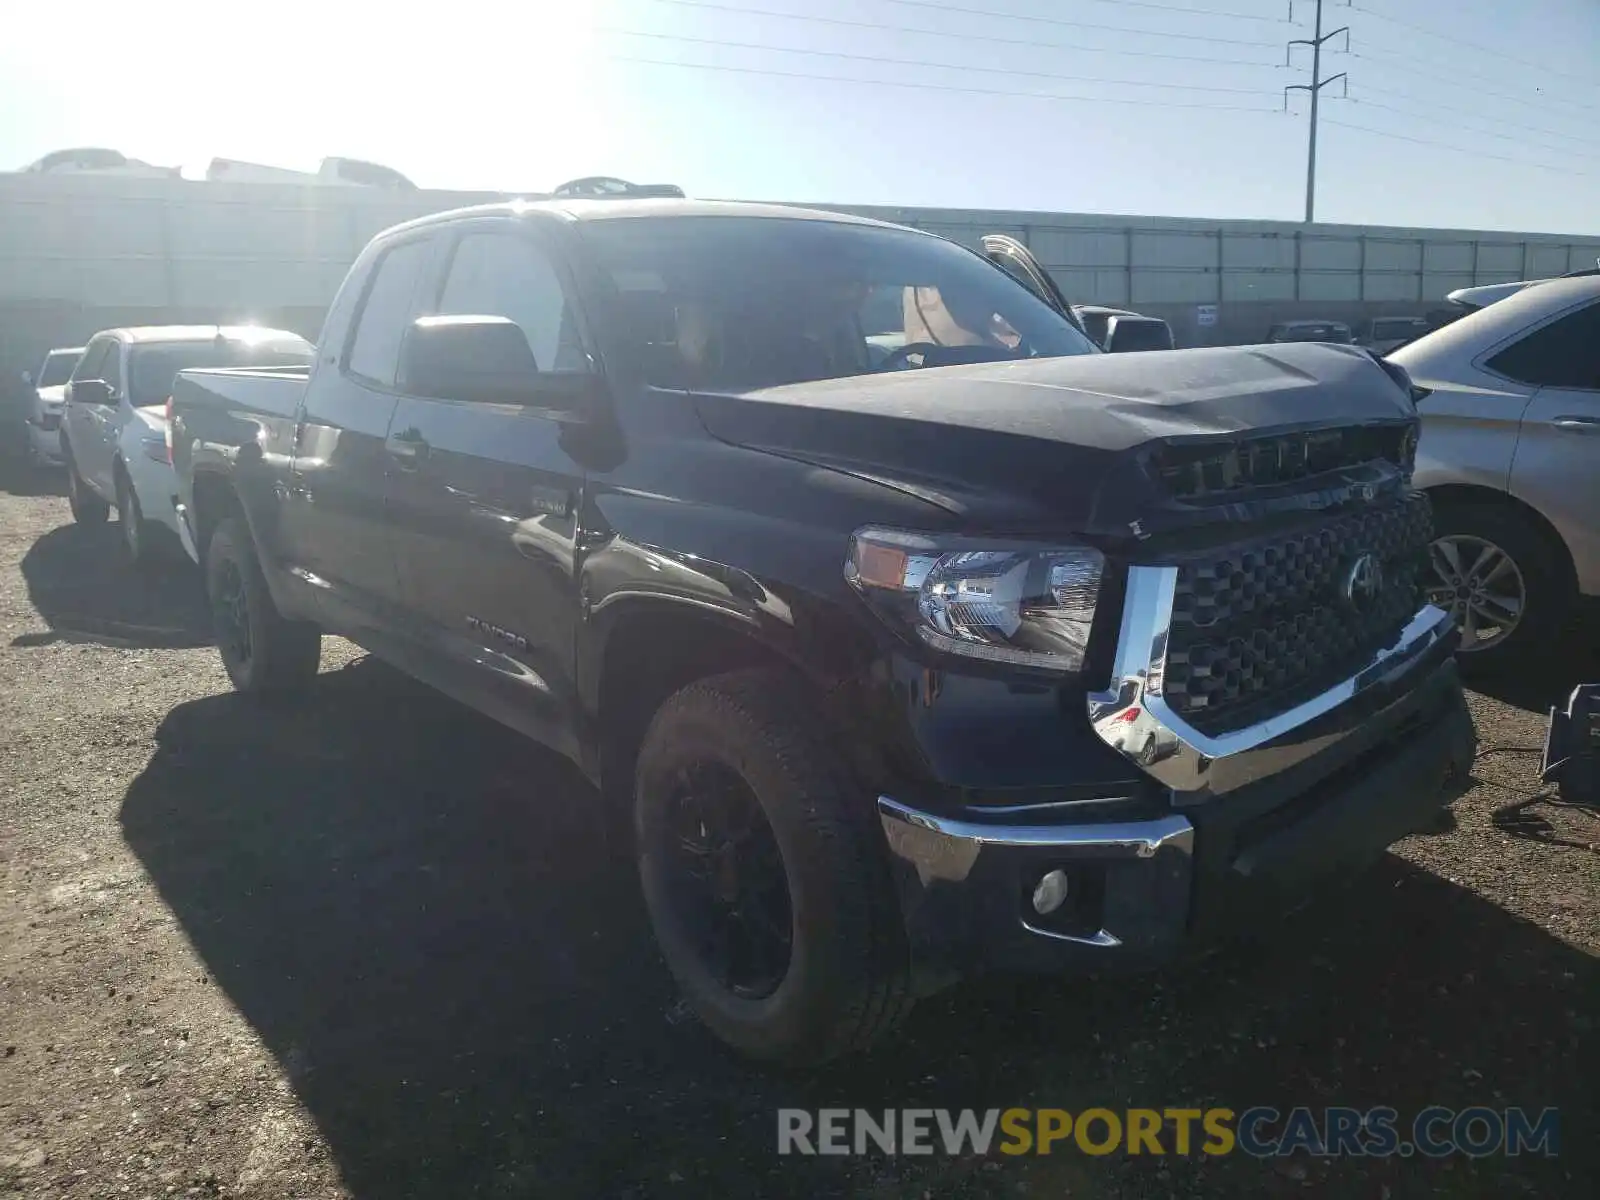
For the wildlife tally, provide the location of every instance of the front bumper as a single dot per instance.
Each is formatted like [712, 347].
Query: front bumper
[1352, 780]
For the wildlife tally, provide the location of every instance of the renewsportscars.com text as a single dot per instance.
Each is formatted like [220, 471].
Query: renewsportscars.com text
[1261, 1131]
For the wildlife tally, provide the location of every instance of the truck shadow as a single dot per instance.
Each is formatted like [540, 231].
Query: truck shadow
[1548, 679]
[414, 910]
[18, 477]
[82, 584]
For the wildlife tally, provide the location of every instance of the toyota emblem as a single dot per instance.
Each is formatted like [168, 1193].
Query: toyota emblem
[1362, 583]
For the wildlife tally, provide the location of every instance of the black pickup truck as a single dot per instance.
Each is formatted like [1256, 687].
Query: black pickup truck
[916, 635]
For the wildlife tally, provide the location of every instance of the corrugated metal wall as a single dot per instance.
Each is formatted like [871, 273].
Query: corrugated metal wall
[81, 253]
[1258, 272]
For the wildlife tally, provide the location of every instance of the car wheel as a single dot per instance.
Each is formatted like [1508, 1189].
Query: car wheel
[1497, 575]
[87, 507]
[262, 651]
[130, 520]
[765, 875]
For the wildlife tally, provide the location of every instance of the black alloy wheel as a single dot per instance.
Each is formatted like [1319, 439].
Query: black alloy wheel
[727, 882]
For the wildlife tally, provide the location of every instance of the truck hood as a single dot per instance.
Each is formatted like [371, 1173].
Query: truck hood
[1066, 443]
[52, 397]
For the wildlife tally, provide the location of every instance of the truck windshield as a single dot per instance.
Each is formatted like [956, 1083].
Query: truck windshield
[741, 303]
[57, 367]
[154, 367]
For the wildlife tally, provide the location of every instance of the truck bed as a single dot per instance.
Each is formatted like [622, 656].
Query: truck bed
[236, 420]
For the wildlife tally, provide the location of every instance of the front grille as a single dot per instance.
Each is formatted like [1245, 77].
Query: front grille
[49, 421]
[1209, 470]
[1261, 625]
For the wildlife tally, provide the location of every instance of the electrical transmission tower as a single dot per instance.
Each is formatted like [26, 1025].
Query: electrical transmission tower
[1315, 89]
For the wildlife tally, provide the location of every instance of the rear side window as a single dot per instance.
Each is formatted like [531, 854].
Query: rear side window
[386, 312]
[1562, 354]
[507, 275]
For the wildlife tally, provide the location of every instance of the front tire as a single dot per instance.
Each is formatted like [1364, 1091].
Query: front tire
[1499, 576]
[765, 874]
[131, 523]
[87, 507]
[264, 652]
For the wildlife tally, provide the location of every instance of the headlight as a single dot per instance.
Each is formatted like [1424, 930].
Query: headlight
[998, 601]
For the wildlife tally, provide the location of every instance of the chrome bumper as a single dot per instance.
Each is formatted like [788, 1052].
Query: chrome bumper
[1133, 717]
[946, 857]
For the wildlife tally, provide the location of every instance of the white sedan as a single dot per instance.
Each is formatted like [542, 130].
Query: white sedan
[114, 434]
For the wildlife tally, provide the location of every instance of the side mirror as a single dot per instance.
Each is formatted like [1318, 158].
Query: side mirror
[484, 359]
[27, 378]
[1124, 334]
[91, 391]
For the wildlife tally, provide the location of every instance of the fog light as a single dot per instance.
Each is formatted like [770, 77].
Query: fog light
[1051, 893]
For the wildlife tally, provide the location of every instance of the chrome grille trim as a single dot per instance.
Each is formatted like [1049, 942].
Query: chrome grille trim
[1133, 717]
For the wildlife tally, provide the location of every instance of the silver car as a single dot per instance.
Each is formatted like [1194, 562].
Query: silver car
[1510, 453]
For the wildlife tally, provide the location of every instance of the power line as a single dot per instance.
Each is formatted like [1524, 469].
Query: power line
[1589, 142]
[995, 39]
[1193, 12]
[1410, 64]
[1477, 129]
[943, 66]
[1472, 151]
[1478, 46]
[939, 87]
[1005, 16]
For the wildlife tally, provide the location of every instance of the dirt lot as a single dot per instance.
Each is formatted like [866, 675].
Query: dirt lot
[370, 947]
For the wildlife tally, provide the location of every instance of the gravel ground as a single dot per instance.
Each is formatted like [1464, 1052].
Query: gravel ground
[370, 947]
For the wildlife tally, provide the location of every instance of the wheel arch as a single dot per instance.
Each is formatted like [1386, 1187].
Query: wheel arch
[1464, 495]
[649, 648]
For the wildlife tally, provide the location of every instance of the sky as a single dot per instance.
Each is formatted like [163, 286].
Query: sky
[1460, 113]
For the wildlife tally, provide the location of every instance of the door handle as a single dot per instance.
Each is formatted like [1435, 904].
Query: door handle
[407, 451]
[1577, 424]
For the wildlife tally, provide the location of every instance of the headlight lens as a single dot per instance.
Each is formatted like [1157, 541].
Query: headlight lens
[1006, 603]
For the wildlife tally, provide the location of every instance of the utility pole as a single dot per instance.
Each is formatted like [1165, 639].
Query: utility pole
[1315, 88]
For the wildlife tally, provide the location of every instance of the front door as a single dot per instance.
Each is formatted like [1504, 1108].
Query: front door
[86, 422]
[1557, 465]
[334, 530]
[486, 497]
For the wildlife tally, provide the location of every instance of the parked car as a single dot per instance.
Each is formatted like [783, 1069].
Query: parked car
[1510, 454]
[46, 400]
[1134, 331]
[1383, 334]
[332, 171]
[1311, 331]
[1001, 652]
[114, 434]
[1470, 299]
[97, 160]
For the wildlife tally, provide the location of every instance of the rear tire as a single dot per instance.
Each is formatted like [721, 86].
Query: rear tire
[264, 652]
[844, 979]
[1525, 565]
[87, 507]
[134, 528]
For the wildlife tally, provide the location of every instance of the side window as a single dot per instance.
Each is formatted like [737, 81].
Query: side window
[385, 313]
[92, 361]
[505, 275]
[1562, 354]
[111, 372]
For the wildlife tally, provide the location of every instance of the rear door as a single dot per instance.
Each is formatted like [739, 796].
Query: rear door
[334, 525]
[1017, 261]
[486, 496]
[1557, 463]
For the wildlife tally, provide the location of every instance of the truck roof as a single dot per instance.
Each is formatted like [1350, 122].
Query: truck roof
[201, 333]
[612, 209]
